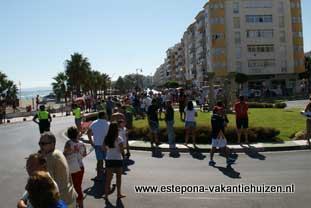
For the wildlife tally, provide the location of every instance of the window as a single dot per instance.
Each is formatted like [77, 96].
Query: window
[259, 18]
[218, 51]
[237, 37]
[281, 7]
[260, 48]
[264, 63]
[259, 34]
[258, 4]
[217, 20]
[281, 21]
[217, 36]
[296, 19]
[238, 52]
[238, 66]
[236, 7]
[236, 22]
[282, 37]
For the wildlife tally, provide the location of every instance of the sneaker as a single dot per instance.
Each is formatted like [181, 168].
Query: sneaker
[230, 161]
[212, 163]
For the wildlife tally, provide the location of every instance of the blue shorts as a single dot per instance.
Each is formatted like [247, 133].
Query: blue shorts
[78, 121]
[190, 124]
[100, 154]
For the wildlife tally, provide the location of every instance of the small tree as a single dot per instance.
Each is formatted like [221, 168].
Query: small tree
[171, 84]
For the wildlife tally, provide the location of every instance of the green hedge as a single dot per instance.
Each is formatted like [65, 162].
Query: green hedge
[266, 105]
[203, 134]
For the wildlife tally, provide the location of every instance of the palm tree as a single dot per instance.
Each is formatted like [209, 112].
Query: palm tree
[105, 82]
[3, 79]
[77, 69]
[60, 86]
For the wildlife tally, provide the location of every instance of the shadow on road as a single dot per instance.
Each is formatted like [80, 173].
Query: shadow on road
[229, 171]
[253, 153]
[127, 162]
[98, 189]
[196, 153]
[119, 204]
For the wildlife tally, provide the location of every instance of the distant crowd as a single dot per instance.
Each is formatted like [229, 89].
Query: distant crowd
[59, 173]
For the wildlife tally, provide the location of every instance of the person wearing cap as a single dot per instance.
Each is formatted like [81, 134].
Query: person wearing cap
[218, 121]
[43, 119]
[76, 110]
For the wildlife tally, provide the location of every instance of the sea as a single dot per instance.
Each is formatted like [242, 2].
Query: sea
[28, 94]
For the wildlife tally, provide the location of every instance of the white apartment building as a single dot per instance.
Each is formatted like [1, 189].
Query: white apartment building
[260, 38]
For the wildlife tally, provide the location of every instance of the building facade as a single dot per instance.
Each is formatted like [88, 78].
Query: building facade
[262, 39]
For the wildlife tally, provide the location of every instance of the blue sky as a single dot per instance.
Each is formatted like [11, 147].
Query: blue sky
[117, 36]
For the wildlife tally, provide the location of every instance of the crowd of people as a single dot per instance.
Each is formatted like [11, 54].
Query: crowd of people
[61, 172]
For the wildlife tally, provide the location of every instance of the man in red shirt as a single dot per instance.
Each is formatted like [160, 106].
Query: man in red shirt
[241, 114]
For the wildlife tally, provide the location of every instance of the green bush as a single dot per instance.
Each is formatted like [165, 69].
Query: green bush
[203, 134]
[280, 105]
[260, 105]
[266, 105]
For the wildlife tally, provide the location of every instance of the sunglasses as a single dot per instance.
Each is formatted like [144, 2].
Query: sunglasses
[44, 143]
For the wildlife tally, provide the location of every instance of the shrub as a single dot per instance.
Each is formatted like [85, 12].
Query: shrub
[280, 105]
[260, 105]
[203, 134]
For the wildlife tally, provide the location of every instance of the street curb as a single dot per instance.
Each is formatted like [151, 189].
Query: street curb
[272, 148]
[237, 150]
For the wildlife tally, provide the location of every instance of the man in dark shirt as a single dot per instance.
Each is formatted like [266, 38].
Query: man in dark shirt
[169, 119]
[218, 138]
[153, 122]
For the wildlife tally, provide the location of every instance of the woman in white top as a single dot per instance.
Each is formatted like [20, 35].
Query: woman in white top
[74, 152]
[114, 158]
[124, 137]
[190, 123]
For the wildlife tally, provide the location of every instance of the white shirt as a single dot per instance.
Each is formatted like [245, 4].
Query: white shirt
[100, 129]
[122, 135]
[147, 102]
[114, 153]
[190, 115]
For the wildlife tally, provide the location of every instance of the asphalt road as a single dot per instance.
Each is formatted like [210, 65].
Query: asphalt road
[277, 168]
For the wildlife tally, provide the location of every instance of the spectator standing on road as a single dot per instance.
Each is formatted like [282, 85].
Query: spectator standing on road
[190, 123]
[109, 107]
[99, 129]
[123, 135]
[169, 119]
[241, 114]
[308, 122]
[42, 191]
[37, 102]
[182, 104]
[153, 122]
[35, 162]
[78, 116]
[44, 118]
[58, 168]
[218, 123]
[74, 152]
[114, 159]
